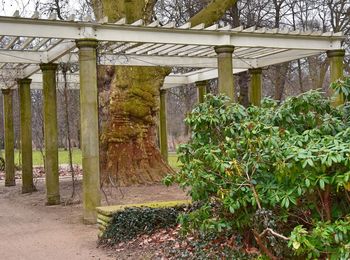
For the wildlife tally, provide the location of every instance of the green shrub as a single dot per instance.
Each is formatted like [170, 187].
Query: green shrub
[280, 172]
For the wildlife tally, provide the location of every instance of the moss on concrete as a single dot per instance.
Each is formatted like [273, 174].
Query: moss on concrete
[110, 210]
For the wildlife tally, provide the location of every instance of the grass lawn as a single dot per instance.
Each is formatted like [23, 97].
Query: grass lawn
[63, 158]
[172, 158]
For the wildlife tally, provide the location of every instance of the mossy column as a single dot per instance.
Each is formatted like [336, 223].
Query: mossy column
[201, 90]
[89, 128]
[9, 138]
[225, 68]
[163, 136]
[336, 59]
[255, 86]
[26, 135]
[50, 133]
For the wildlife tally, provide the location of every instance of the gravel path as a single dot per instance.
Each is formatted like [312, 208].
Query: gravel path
[30, 230]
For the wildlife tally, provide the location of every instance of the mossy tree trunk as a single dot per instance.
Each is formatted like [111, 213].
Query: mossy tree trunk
[129, 102]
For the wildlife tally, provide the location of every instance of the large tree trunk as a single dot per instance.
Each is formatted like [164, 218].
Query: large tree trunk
[129, 104]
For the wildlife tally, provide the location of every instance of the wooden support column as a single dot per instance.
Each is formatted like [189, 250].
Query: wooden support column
[255, 86]
[201, 90]
[163, 136]
[26, 135]
[9, 138]
[89, 128]
[336, 59]
[225, 67]
[50, 134]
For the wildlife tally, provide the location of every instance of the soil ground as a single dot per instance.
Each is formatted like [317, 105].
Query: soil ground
[31, 230]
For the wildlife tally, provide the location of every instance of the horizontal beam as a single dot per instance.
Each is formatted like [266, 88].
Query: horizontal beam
[284, 57]
[172, 61]
[25, 57]
[32, 57]
[24, 27]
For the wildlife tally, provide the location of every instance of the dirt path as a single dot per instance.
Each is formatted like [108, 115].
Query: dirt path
[30, 230]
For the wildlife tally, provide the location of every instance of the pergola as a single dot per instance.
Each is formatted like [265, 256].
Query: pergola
[30, 49]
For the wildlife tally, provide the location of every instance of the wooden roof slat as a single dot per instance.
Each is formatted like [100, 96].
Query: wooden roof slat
[41, 43]
[53, 43]
[237, 29]
[125, 47]
[138, 47]
[185, 26]
[180, 50]
[121, 21]
[254, 53]
[209, 53]
[26, 43]
[167, 51]
[138, 23]
[261, 55]
[161, 48]
[192, 50]
[199, 51]
[250, 29]
[200, 26]
[214, 27]
[149, 48]
[169, 25]
[154, 24]
[10, 44]
[225, 28]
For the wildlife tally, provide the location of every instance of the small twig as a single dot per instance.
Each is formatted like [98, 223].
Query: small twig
[115, 186]
[104, 193]
[273, 233]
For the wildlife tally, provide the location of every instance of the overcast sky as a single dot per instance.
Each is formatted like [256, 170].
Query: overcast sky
[27, 7]
[8, 7]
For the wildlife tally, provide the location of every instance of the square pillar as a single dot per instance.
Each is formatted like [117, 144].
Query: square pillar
[163, 136]
[201, 90]
[26, 135]
[9, 138]
[336, 59]
[89, 128]
[50, 133]
[225, 68]
[255, 86]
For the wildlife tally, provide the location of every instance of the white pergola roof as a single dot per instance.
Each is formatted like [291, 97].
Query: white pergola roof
[27, 42]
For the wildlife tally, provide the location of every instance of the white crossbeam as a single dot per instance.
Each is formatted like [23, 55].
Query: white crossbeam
[25, 27]
[32, 57]
[284, 57]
